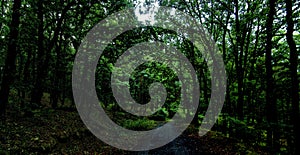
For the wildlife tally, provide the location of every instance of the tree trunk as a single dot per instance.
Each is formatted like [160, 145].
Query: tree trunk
[293, 68]
[37, 94]
[238, 63]
[43, 67]
[10, 66]
[271, 113]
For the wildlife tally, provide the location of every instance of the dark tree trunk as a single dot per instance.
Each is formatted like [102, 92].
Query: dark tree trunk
[10, 66]
[293, 68]
[58, 74]
[271, 113]
[43, 67]
[238, 63]
[37, 93]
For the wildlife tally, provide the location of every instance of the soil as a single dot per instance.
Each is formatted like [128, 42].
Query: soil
[50, 131]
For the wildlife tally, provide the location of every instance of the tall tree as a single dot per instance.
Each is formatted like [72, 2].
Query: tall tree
[238, 51]
[37, 93]
[10, 65]
[293, 71]
[43, 65]
[271, 113]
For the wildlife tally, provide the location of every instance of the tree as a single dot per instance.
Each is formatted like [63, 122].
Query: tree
[293, 71]
[10, 66]
[37, 93]
[271, 113]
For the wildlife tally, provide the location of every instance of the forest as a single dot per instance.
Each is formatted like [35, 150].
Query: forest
[258, 40]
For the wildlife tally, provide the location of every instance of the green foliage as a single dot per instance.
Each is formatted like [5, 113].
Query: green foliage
[139, 124]
[47, 46]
